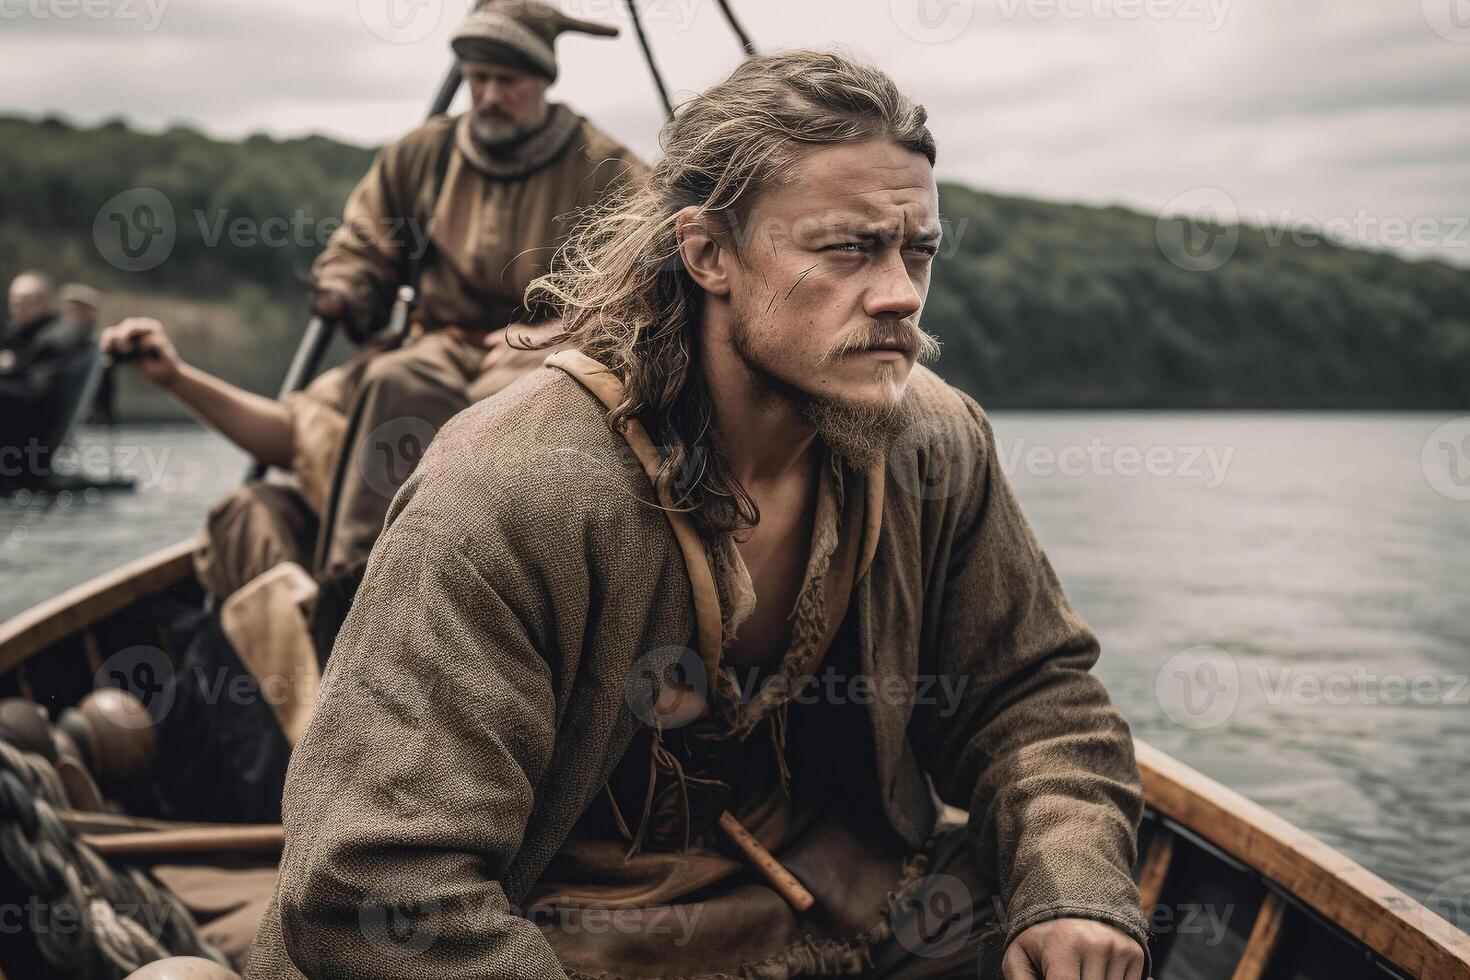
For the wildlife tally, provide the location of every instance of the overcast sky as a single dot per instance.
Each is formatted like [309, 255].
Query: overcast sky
[1351, 114]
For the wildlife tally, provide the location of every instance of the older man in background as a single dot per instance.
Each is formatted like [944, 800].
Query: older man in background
[496, 190]
[481, 201]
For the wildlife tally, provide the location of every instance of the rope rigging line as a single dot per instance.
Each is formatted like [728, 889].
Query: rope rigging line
[658, 79]
[735, 26]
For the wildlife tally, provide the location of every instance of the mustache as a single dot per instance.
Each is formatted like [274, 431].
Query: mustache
[923, 347]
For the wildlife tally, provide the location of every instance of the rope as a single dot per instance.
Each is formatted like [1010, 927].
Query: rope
[127, 921]
[735, 26]
[658, 79]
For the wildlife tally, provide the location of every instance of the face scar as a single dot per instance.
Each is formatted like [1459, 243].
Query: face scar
[797, 283]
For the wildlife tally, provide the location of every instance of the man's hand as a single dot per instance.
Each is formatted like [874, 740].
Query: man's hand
[502, 355]
[328, 304]
[142, 341]
[1073, 949]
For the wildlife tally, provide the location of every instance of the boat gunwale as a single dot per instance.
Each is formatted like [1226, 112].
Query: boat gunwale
[83, 606]
[1400, 930]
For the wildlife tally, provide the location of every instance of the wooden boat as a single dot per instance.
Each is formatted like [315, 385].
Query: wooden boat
[1235, 892]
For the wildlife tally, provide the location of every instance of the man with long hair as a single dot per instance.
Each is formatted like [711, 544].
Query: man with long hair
[719, 646]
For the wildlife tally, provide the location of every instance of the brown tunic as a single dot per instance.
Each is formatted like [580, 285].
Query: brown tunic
[494, 226]
[647, 886]
[474, 705]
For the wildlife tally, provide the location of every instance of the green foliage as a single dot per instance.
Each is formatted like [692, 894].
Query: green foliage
[1044, 305]
[55, 178]
[1039, 304]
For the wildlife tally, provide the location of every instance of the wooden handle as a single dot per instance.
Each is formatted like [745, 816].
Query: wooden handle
[253, 838]
[782, 880]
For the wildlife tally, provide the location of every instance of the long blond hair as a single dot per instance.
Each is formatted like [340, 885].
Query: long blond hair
[620, 285]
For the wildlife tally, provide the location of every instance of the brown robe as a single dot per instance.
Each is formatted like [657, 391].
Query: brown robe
[359, 429]
[474, 706]
[494, 227]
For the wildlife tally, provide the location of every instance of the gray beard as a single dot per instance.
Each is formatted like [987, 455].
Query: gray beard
[498, 139]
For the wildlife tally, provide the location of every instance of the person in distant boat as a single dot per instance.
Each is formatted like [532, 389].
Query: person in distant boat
[45, 362]
[515, 171]
[665, 653]
[80, 304]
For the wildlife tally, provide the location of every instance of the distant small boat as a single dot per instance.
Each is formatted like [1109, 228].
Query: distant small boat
[1238, 893]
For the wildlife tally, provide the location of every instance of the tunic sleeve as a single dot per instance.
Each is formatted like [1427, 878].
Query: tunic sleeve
[318, 415]
[1031, 746]
[410, 791]
[361, 260]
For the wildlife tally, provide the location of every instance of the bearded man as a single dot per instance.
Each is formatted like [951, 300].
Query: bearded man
[663, 649]
[480, 201]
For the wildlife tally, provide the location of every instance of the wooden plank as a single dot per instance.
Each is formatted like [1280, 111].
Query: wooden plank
[91, 602]
[1384, 919]
[1155, 869]
[1262, 942]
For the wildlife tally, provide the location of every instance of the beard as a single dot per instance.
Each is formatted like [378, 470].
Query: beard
[858, 432]
[499, 137]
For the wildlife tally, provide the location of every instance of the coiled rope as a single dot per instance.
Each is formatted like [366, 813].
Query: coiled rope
[126, 920]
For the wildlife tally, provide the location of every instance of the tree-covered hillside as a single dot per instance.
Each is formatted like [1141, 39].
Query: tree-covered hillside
[1039, 304]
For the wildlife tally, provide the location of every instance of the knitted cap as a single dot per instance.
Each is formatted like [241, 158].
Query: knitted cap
[519, 34]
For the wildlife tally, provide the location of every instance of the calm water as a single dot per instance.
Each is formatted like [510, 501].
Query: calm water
[1284, 600]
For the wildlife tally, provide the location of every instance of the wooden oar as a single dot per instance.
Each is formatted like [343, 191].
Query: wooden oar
[235, 838]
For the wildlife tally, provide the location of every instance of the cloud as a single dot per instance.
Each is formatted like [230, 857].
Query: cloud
[1308, 106]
